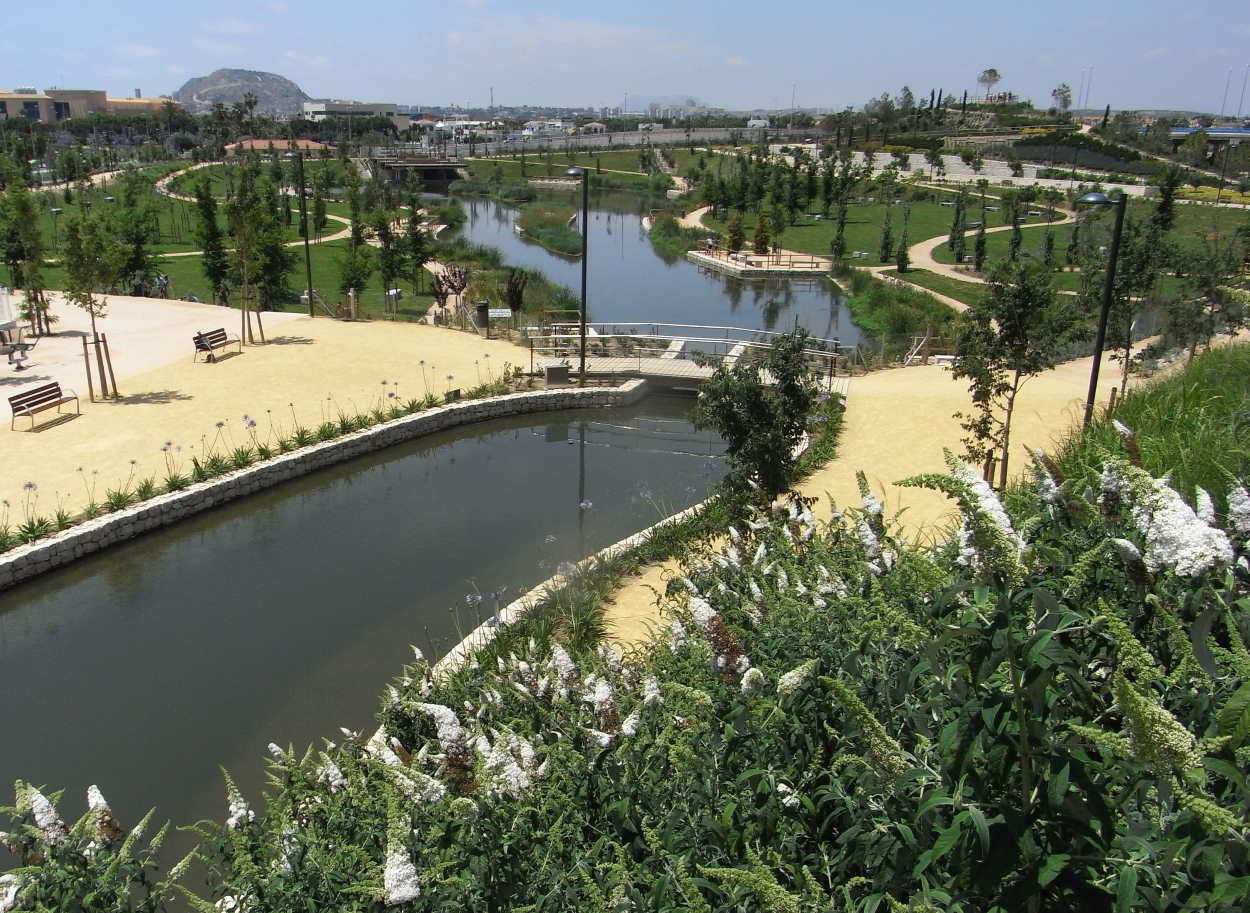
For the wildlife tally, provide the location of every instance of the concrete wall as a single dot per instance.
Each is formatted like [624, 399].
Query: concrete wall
[31, 560]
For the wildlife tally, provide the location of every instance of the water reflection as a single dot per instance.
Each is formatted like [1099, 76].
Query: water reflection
[629, 282]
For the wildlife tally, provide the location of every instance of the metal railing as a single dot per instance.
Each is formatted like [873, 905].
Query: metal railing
[647, 345]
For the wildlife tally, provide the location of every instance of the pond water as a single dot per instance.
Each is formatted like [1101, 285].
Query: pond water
[282, 616]
[628, 281]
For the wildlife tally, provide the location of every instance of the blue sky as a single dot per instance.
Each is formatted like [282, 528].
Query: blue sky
[728, 53]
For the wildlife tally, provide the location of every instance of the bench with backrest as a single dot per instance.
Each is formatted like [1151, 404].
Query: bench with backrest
[210, 341]
[48, 396]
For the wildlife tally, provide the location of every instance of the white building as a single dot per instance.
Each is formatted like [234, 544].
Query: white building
[757, 122]
[321, 109]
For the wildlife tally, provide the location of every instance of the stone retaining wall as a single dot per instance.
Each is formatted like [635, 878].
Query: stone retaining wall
[28, 561]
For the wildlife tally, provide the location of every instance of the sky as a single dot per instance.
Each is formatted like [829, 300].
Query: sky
[731, 53]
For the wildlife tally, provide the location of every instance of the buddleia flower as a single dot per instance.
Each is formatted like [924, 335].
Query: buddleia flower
[10, 886]
[330, 774]
[400, 883]
[629, 728]
[886, 754]
[46, 817]
[447, 724]
[1239, 510]
[1044, 483]
[238, 812]
[1157, 737]
[1176, 538]
[106, 827]
[796, 677]
[789, 798]
[1214, 818]
[1204, 507]
[651, 692]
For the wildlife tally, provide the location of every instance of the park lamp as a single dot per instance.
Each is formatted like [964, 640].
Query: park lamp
[585, 179]
[1104, 313]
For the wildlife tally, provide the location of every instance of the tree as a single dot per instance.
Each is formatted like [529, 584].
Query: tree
[1168, 179]
[903, 259]
[886, 247]
[390, 254]
[514, 290]
[1016, 239]
[89, 259]
[989, 78]
[1015, 331]
[978, 248]
[933, 158]
[1062, 96]
[735, 236]
[838, 245]
[89, 266]
[416, 248]
[761, 424]
[136, 229]
[214, 262]
[760, 241]
[23, 254]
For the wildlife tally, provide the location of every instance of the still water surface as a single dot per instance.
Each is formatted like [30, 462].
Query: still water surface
[281, 617]
[628, 281]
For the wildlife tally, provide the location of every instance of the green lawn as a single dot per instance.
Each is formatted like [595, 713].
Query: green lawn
[967, 292]
[863, 228]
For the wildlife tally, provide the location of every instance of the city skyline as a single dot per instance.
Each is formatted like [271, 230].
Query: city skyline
[1147, 55]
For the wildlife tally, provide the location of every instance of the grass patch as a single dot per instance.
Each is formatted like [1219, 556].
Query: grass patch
[967, 292]
[896, 313]
[672, 240]
[1194, 423]
[548, 224]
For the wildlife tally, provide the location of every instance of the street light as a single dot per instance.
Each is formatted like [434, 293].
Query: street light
[582, 173]
[1101, 199]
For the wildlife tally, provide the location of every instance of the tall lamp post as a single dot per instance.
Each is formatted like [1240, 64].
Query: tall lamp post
[303, 225]
[585, 176]
[1101, 199]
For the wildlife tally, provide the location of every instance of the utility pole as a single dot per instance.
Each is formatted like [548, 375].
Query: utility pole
[303, 224]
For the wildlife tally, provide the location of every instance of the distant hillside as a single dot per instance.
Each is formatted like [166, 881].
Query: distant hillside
[275, 94]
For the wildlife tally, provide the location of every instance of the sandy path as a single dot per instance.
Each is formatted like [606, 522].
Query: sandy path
[897, 423]
[310, 367]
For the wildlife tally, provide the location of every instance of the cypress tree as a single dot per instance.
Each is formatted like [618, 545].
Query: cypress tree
[886, 247]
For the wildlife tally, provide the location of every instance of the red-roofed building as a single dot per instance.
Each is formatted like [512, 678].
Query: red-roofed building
[307, 146]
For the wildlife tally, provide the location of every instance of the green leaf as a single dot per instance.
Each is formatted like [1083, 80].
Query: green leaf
[1054, 864]
[1234, 718]
[1057, 788]
[932, 802]
[983, 830]
[1126, 890]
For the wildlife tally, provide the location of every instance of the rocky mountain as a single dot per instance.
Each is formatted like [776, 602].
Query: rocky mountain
[275, 94]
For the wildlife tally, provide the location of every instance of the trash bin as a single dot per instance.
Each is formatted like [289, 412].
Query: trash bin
[483, 314]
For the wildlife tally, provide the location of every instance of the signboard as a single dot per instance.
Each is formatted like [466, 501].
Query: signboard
[499, 313]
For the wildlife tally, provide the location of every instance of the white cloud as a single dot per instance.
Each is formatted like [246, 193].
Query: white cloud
[230, 27]
[278, 6]
[1156, 53]
[472, 4]
[175, 69]
[455, 39]
[213, 46]
[138, 50]
[736, 61]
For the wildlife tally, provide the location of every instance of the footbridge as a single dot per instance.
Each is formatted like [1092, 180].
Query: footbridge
[677, 353]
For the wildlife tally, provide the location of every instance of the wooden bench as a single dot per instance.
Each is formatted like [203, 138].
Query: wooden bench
[209, 342]
[39, 399]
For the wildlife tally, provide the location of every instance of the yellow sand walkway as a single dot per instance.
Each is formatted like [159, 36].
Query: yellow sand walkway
[897, 423]
[309, 370]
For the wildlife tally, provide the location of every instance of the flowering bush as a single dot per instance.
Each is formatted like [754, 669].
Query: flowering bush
[1051, 711]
